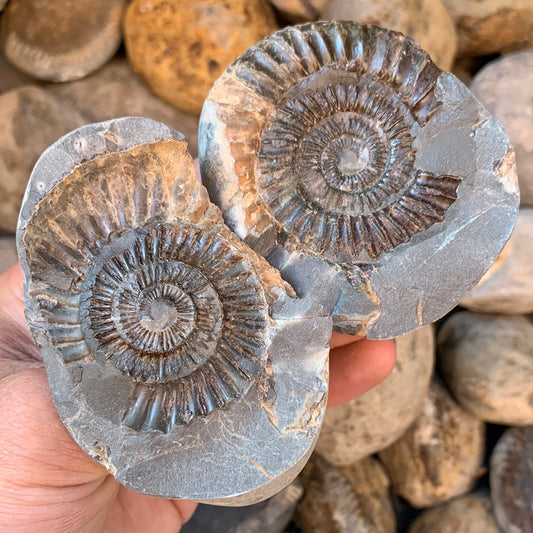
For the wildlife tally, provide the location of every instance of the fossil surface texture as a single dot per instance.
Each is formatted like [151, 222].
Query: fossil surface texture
[177, 356]
[376, 183]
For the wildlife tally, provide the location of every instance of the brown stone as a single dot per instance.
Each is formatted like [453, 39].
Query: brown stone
[440, 455]
[61, 40]
[508, 285]
[181, 48]
[31, 120]
[376, 419]
[10, 77]
[426, 21]
[491, 25]
[116, 91]
[468, 514]
[504, 88]
[300, 10]
[487, 362]
[345, 499]
[511, 480]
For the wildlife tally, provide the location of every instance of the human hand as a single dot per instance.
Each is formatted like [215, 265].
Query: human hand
[47, 483]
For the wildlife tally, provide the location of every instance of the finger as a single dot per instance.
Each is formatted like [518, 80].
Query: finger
[11, 294]
[338, 339]
[357, 367]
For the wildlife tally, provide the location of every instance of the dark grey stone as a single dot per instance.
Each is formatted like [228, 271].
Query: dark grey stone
[343, 144]
[177, 357]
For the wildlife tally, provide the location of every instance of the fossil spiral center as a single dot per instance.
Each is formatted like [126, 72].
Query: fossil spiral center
[354, 159]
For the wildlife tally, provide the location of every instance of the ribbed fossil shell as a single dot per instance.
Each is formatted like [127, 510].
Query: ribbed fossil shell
[159, 326]
[320, 139]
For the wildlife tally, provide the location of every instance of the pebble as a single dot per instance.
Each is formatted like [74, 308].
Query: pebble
[468, 514]
[31, 120]
[426, 21]
[124, 94]
[440, 455]
[487, 362]
[508, 286]
[180, 48]
[300, 10]
[511, 480]
[504, 88]
[345, 499]
[61, 40]
[376, 419]
[489, 26]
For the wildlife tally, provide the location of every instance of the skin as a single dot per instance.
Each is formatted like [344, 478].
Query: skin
[47, 483]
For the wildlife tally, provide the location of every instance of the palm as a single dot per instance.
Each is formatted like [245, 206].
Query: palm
[48, 484]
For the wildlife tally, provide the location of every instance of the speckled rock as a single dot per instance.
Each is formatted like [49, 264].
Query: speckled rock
[116, 91]
[181, 47]
[504, 88]
[300, 10]
[511, 480]
[61, 40]
[487, 362]
[270, 516]
[468, 514]
[508, 286]
[168, 343]
[345, 499]
[489, 26]
[426, 21]
[440, 455]
[8, 252]
[376, 419]
[363, 173]
[31, 120]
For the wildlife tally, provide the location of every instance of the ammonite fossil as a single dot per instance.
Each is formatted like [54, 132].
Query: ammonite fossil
[339, 147]
[170, 345]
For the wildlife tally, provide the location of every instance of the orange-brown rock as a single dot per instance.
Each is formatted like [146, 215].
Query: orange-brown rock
[61, 40]
[345, 499]
[180, 47]
[440, 455]
[300, 10]
[426, 21]
[469, 514]
[489, 26]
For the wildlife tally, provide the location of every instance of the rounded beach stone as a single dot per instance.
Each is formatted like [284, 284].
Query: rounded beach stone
[491, 25]
[504, 88]
[343, 155]
[379, 417]
[181, 47]
[511, 480]
[61, 40]
[508, 286]
[300, 10]
[440, 455]
[32, 119]
[344, 499]
[468, 514]
[169, 344]
[487, 362]
[426, 21]
[124, 94]
[8, 253]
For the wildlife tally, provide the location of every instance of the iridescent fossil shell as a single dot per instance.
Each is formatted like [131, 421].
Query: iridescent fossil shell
[344, 142]
[160, 327]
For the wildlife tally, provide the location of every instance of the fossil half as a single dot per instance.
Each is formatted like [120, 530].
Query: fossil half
[374, 182]
[176, 355]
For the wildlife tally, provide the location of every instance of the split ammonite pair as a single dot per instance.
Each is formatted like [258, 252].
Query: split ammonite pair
[360, 187]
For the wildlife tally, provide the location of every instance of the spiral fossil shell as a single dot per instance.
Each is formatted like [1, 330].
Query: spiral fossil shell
[327, 132]
[152, 315]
